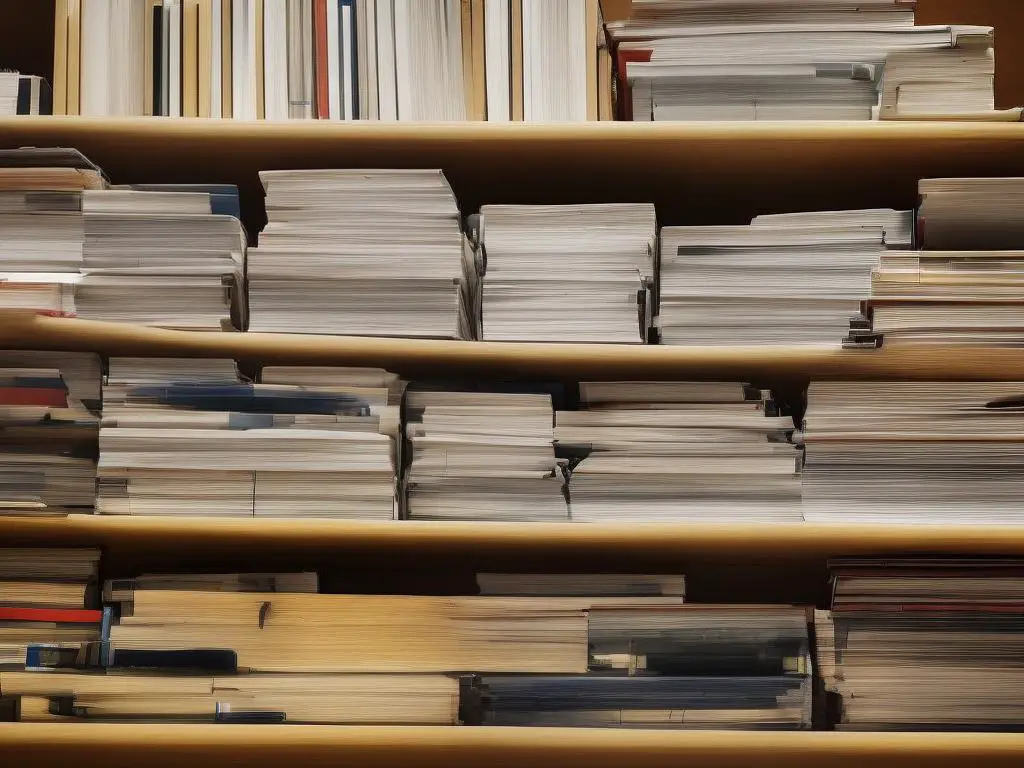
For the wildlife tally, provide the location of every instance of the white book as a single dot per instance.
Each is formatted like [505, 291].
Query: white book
[387, 87]
[243, 59]
[174, 59]
[334, 83]
[350, 84]
[498, 59]
[275, 58]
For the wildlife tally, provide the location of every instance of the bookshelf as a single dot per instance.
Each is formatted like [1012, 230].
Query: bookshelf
[708, 173]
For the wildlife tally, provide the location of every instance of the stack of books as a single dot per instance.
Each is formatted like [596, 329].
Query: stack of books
[47, 598]
[605, 256]
[936, 452]
[193, 270]
[73, 245]
[362, 252]
[170, 685]
[693, 451]
[333, 59]
[618, 650]
[796, 60]
[790, 279]
[209, 444]
[41, 227]
[24, 95]
[965, 285]
[924, 645]
[481, 456]
[47, 443]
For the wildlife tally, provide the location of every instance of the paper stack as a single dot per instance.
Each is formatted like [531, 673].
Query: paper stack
[796, 60]
[45, 607]
[47, 443]
[937, 452]
[924, 644]
[694, 451]
[366, 253]
[191, 273]
[481, 456]
[792, 279]
[965, 286]
[41, 228]
[202, 444]
[604, 256]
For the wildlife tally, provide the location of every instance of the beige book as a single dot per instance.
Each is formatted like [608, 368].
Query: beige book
[205, 64]
[261, 104]
[466, 28]
[51, 179]
[74, 58]
[36, 709]
[225, 59]
[42, 594]
[517, 59]
[190, 59]
[593, 32]
[479, 63]
[274, 632]
[60, 57]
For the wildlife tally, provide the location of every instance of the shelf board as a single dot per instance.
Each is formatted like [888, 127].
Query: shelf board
[162, 746]
[437, 358]
[696, 173]
[782, 540]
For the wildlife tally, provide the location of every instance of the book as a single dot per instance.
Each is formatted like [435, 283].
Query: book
[47, 600]
[936, 452]
[796, 60]
[696, 451]
[481, 456]
[361, 252]
[923, 644]
[605, 257]
[789, 279]
[196, 440]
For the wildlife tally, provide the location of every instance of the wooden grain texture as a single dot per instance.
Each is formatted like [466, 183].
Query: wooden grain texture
[259, 746]
[440, 358]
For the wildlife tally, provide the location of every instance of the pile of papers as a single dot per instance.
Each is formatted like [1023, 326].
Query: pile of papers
[924, 644]
[693, 451]
[45, 608]
[209, 444]
[47, 438]
[364, 253]
[604, 259]
[788, 279]
[796, 60]
[481, 456]
[965, 286]
[937, 452]
[162, 259]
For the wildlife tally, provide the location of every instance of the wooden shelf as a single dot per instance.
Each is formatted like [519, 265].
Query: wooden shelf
[256, 746]
[696, 173]
[25, 330]
[664, 540]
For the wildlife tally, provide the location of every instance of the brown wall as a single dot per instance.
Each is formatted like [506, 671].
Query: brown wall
[1007, 16]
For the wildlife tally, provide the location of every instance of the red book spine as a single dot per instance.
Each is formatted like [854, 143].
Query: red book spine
[320, 63]
[623, 91]
[51, 615]
[46, 396]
